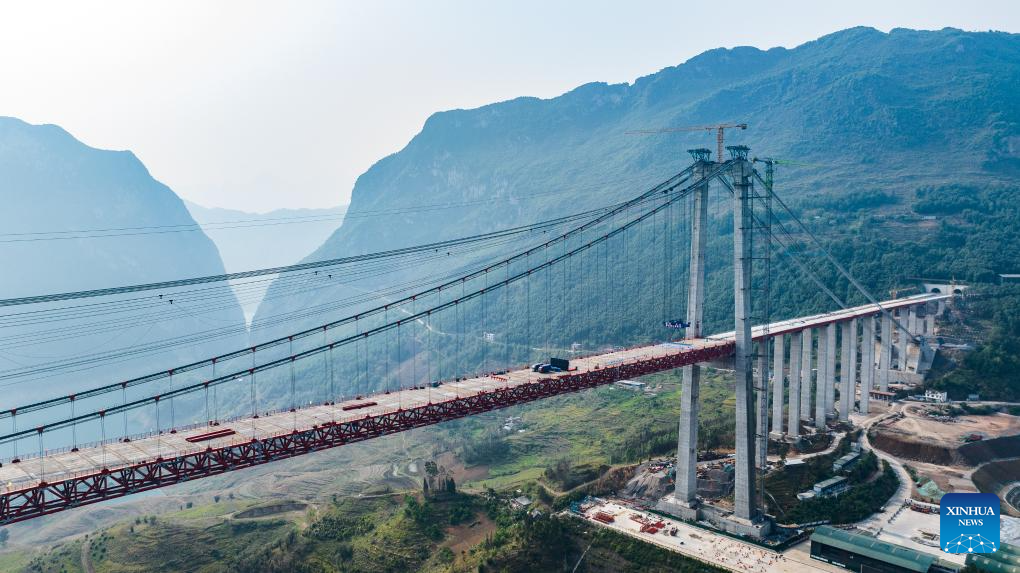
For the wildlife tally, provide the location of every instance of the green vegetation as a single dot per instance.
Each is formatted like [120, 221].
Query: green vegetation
[975, 236]
[860, 502]
[784, 485]
[991, 369]
[491, 448]
[863, 469]
[570, 440]
[854, 201]
[566, 476]
[455, 534]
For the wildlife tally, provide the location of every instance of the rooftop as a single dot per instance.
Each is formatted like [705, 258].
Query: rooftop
[830, 482]
[873, 548]
[1005, 560]
[522, 501]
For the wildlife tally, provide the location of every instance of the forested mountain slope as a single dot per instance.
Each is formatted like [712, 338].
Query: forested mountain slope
[77, 218]
[875, 117]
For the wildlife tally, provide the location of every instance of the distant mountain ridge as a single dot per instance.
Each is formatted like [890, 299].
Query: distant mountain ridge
[276, 238]
[882, 111]
[51, 183]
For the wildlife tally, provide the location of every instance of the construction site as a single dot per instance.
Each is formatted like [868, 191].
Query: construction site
[833, 429]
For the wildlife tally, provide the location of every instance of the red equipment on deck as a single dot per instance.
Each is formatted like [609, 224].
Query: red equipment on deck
[222, 433]
[358, 406]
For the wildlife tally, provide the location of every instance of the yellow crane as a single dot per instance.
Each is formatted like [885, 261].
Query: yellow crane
[719, 130]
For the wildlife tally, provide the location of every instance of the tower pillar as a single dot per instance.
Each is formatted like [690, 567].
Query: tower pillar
[687, 455]
[744, 507]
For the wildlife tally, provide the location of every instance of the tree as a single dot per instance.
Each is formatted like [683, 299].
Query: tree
[431, 469]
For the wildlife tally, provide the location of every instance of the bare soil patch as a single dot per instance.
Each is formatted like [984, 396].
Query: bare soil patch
[467, 535]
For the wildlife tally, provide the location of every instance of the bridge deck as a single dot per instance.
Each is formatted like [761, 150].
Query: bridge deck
[84, 474]
[32, 469]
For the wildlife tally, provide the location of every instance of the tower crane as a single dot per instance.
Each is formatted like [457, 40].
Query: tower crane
[719, 129]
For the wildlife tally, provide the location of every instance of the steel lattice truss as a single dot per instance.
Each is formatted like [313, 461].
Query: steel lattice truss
[45, 498]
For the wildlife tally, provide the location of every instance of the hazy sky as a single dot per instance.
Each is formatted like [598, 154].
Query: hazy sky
[259, 105]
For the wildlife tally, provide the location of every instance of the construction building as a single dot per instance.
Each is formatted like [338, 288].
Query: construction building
[1005, 560]
[631, 385]
[883, 396]
[831, 487]
[858, 552]
[846, 462]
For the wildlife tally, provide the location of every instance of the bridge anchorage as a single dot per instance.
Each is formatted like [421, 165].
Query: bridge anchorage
[379, 371]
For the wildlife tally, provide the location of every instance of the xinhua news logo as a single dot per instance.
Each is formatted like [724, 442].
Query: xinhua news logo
[969, 523]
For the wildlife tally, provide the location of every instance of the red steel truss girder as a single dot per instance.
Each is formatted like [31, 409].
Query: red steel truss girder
[46, 498]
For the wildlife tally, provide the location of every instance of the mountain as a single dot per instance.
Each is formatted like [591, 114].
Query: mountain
[277, 238]
[78, 218]
[873, 116]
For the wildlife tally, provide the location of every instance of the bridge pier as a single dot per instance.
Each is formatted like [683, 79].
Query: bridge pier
[867, 363]
[761, 403]
[885, 360]
[848, 370]
[793, 421]
[929, 321]
[822, 371]
[904, 341]
[805, 375]
[778, 386]
[830, 371]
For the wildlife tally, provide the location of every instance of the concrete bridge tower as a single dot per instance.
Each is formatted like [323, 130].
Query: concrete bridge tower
[687, 448]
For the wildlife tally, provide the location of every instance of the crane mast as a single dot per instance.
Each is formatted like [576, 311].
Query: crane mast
[719, 129]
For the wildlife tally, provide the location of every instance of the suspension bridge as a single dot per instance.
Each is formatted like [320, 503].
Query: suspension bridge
[295, 395]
